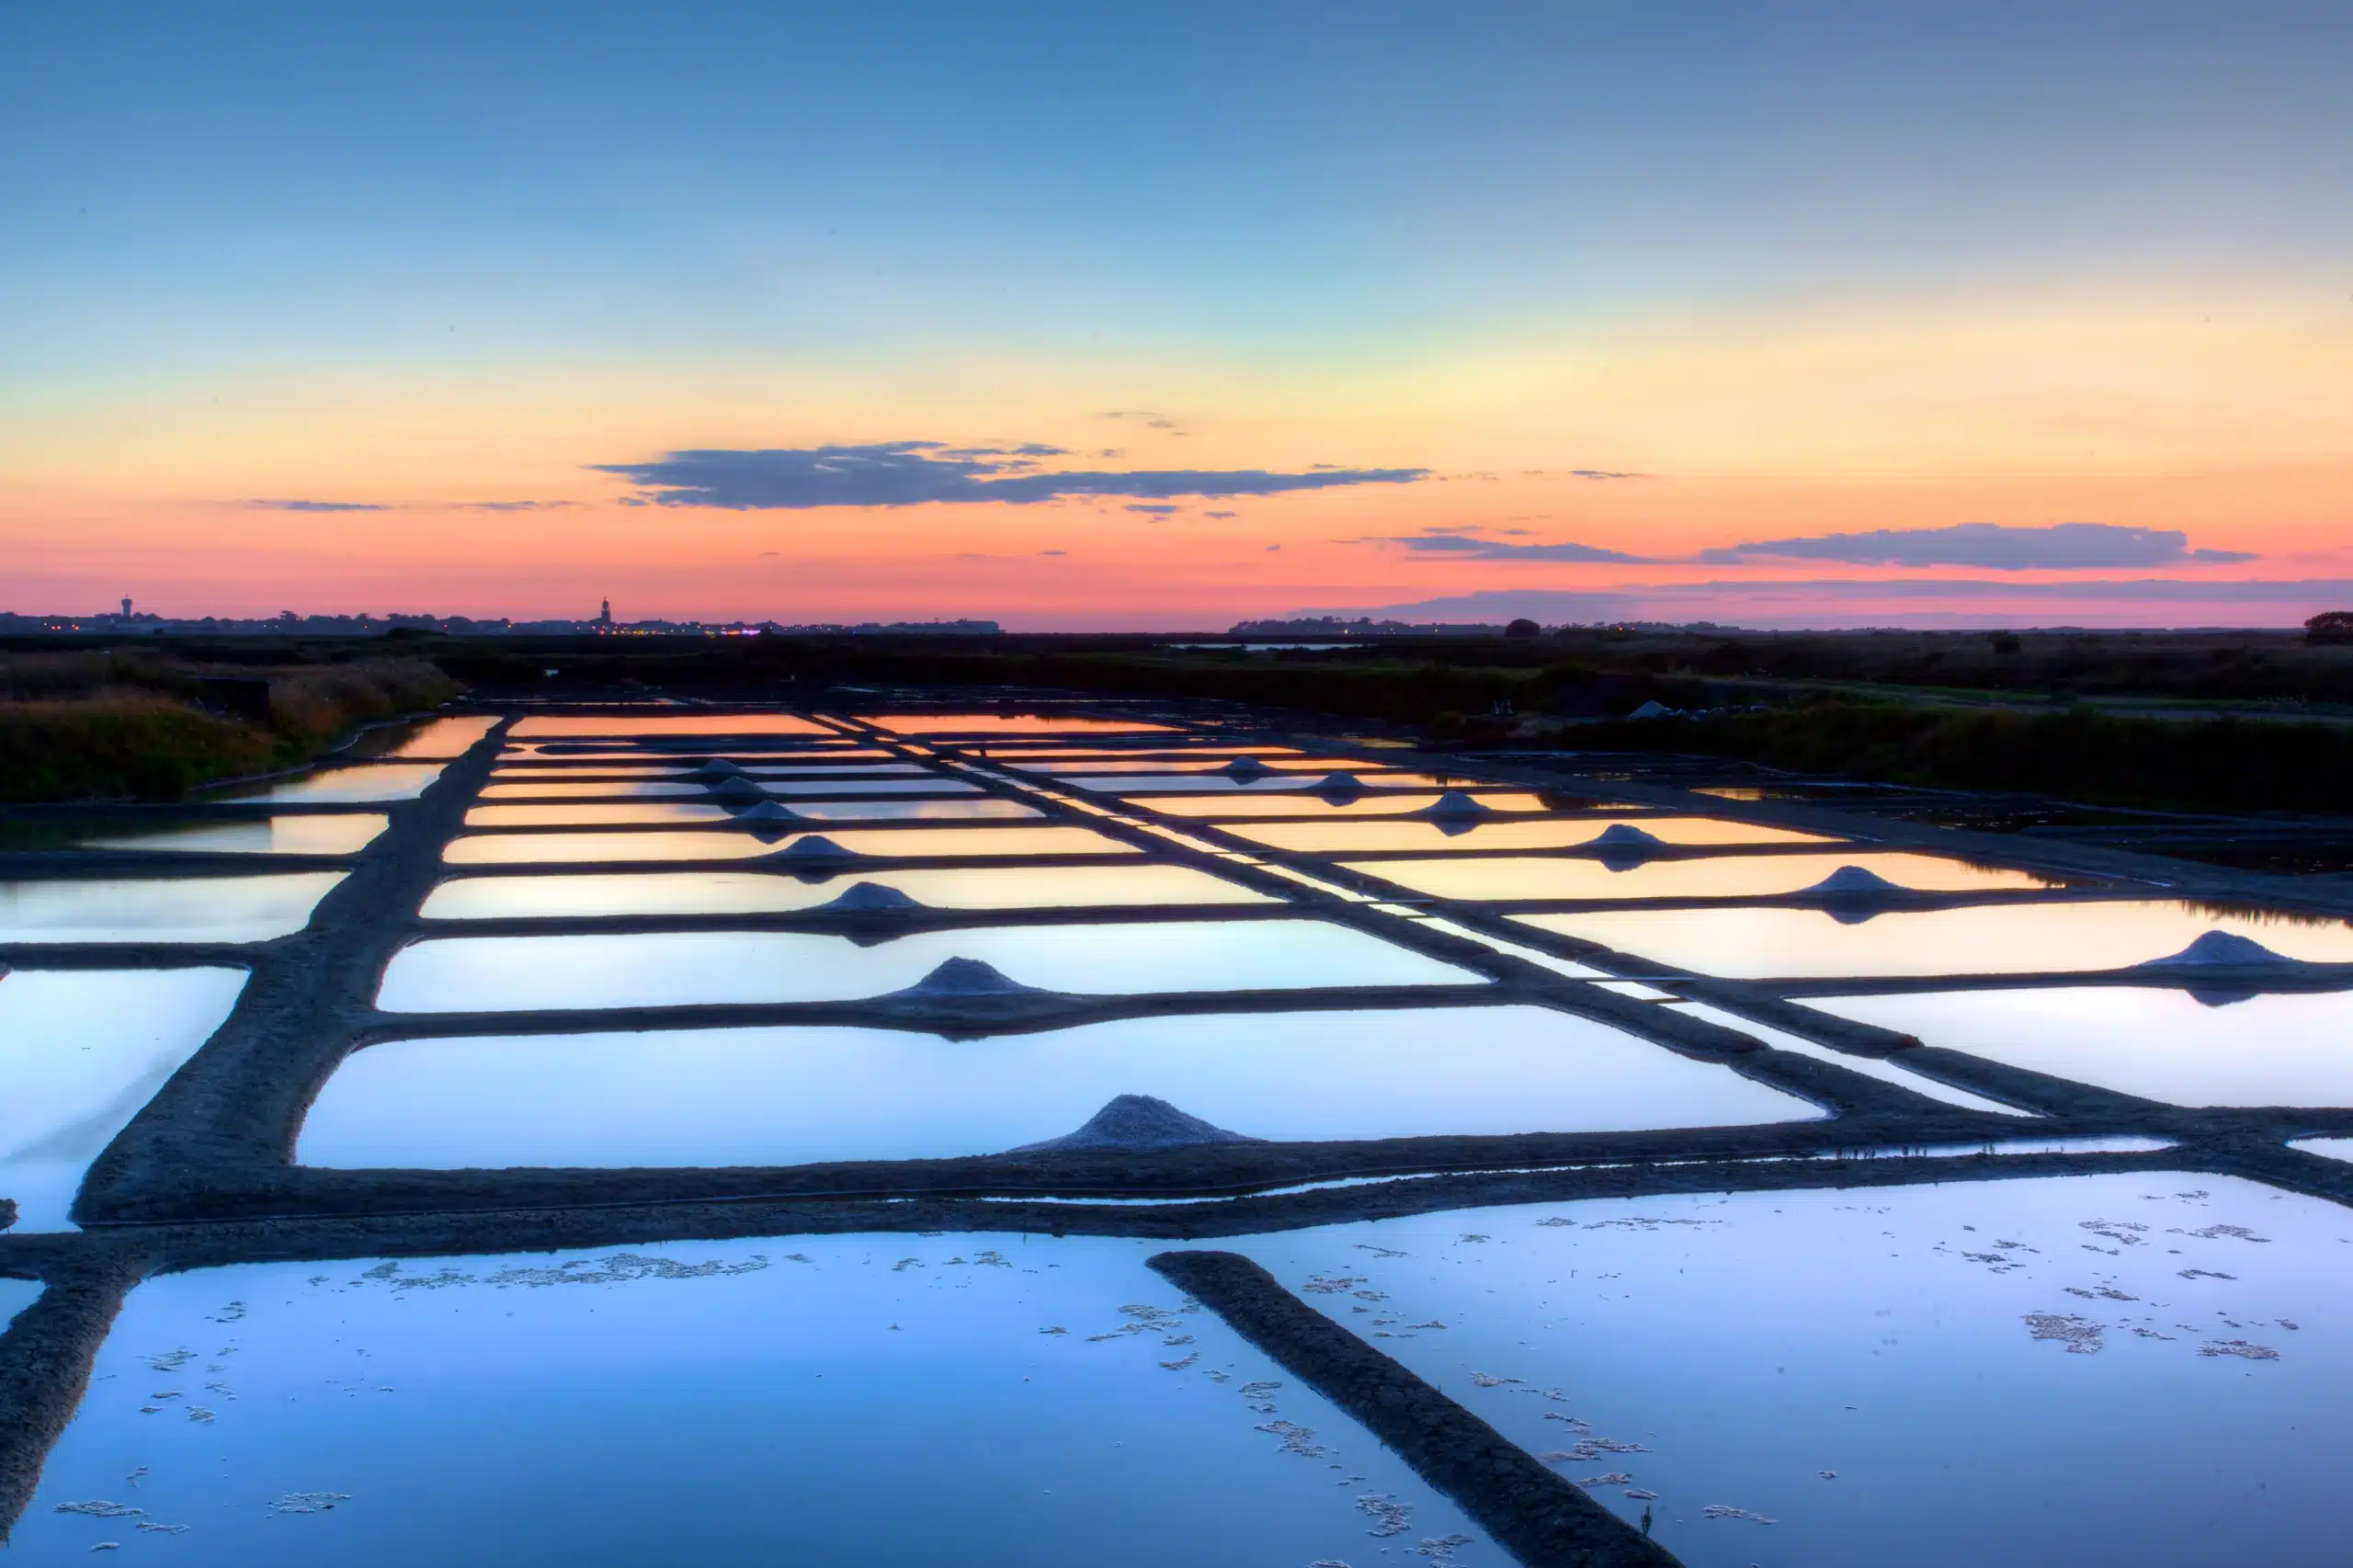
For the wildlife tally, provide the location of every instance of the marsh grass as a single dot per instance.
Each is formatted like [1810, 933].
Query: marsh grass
[77, 726]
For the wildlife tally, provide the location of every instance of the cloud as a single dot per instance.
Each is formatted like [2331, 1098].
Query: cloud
[1153, 508]
[1601, 473]
[1221, 514]
[1452, 541]
[321, 505]
[2059, 547]
[511, 506]
[911, 473]
[1026, 450]
[1054, 552]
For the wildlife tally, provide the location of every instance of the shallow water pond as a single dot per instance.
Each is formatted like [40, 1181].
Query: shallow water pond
[1008, 724]
[1885, 1069]
[793, 1096]
[2039, 1372]
[631, 814]
[359, 783]
[321, 833]
[669, 726]
[1385, 804]
[435, 737]
[1560, 832]
[2008, 939]
[751, 893]
[657, 812]
[521, 785]
[502, 974]
[161, 909]
[1218, 784]
[832, 1400]
[522, 848]
[1209, 763]
[81, 1051]
[1715, 876]
[2279, 1049]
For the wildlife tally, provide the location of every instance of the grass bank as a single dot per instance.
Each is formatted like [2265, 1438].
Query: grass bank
[151, 727]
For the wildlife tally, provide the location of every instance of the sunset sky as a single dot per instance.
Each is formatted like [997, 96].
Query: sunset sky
[1161, 316]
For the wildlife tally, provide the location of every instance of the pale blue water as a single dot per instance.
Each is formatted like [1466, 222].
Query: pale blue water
[501, 973]
[81, 1051]
[789, 1095]
[161, 909]
[770, 1415]
[2159, 1045]
[1751, 1342]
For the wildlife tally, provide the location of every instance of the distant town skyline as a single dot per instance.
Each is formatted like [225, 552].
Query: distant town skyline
[1091, 318]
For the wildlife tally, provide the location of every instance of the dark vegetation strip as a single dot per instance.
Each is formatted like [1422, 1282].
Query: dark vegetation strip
[1540, 1518]
[151, 725]
[2232, 765]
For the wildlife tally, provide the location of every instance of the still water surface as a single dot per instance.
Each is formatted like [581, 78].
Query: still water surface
[790, 1095]
[506, 974]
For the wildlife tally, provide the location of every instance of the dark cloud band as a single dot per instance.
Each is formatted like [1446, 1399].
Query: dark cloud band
[912, 474]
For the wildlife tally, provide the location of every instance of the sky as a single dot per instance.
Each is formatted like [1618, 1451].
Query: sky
[1091, 316]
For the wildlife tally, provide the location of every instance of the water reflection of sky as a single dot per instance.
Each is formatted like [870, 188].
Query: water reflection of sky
[1011, 886]
[1723, 876]
[789, 1095]
[2005, 939]
[1010, 724]
[1385, 804]
[80, 1051]
[161, 909]
[338, 833]
[1345, 838]
[440, 738]
[837, 1400]
[464, 973]
[340, 786]
[681, 726]
[2160, 1045]
[736, 844]
[1751, 1342]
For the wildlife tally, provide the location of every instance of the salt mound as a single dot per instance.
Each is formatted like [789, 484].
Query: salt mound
[715, 770]
[2221, 949]
[738, 789]
[1245, 767]
[769, 812]
[1454, 803]
[1855, 882]
[1139, 1121]
[1339, 784]
[969, 977]
[1625, 836]
[872, 898]
[815, 847]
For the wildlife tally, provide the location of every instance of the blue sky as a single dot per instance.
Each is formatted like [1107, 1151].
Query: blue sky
[950, 220]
